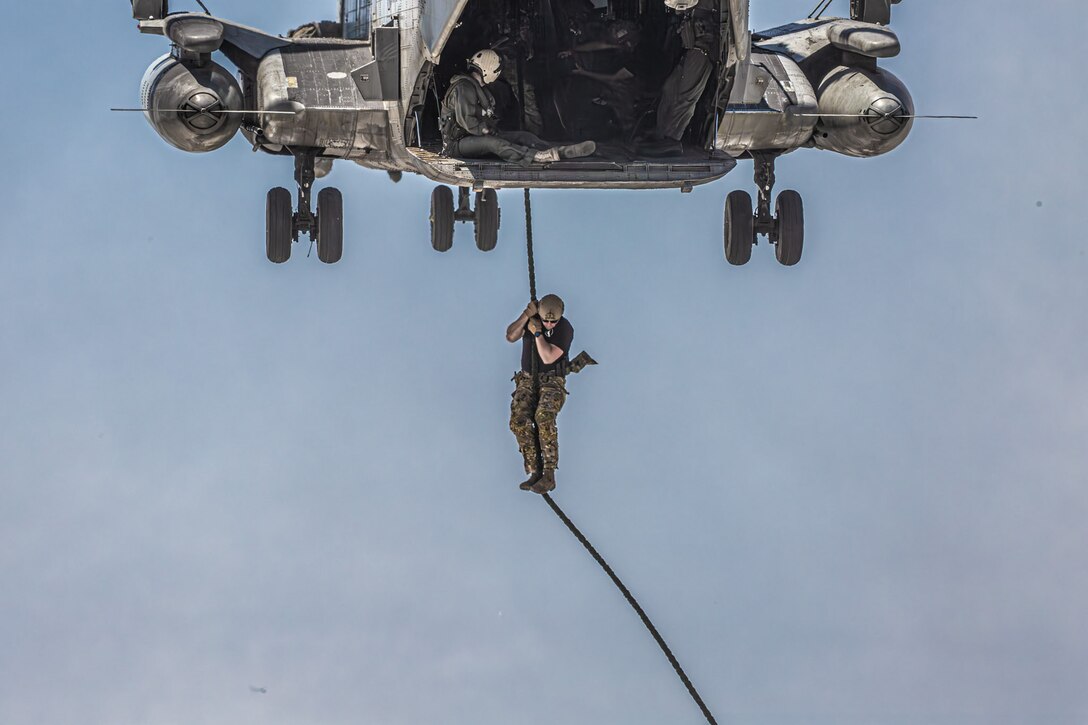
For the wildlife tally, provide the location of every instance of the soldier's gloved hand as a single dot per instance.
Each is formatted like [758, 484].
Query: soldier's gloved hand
[534, 326]
[530, 309]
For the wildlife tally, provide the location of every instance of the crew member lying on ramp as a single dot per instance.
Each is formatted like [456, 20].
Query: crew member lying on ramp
[470, 129]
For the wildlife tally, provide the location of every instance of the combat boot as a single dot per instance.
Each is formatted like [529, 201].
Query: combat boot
[528, 483]
[546, 157]
[578, 150]
[546, 482]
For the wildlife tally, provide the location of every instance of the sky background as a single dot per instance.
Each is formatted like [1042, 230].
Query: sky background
[848, 492]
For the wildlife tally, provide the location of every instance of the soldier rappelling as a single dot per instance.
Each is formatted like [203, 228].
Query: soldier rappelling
[545, 335]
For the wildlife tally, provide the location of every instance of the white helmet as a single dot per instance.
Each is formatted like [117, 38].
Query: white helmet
[681, 5]
[488, 63]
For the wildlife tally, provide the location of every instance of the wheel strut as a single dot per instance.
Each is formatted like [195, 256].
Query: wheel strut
[764, 173]
[464, 212]
[305, 221]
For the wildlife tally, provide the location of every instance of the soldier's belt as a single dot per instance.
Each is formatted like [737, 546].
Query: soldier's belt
[577, 365]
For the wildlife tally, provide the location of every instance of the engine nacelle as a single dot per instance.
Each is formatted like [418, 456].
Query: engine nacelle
[185, 103]
[874, 107]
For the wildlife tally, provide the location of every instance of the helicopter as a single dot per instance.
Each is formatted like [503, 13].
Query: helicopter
[367, 87]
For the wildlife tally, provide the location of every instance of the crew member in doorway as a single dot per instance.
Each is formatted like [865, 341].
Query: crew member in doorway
[470, 128]
[603, 79]
[686, 83]
[546, 335]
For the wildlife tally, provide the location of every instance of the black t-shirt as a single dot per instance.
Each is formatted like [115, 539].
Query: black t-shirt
[562, 336]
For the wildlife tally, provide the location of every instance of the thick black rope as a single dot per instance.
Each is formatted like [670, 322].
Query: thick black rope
[574, 529]
[634, 605]
[529, 246]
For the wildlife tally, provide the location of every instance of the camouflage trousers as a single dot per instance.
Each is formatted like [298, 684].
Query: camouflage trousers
[532, 419]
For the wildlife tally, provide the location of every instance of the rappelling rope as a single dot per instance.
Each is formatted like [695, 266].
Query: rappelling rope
[529, 248]
[574, 529]
[634, 605]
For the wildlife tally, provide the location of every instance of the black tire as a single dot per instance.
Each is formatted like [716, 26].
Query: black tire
[487, 220]
[739, 233]
[789, 214]
[330, 225]
[279, 225]
[442, 218]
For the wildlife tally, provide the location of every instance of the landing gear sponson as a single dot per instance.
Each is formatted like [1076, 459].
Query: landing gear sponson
[284, 224]
[485, 218]
[785, 230]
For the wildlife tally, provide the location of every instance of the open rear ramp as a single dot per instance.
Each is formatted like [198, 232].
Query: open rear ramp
[680, 172]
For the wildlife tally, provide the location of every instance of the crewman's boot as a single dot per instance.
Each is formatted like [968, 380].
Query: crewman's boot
[578, 150]
[527, 484]
[546, 157]
[546, 482]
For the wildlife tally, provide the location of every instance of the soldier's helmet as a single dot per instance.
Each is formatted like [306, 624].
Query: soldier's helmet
[550, 308]
[488, 63]
[681, 5]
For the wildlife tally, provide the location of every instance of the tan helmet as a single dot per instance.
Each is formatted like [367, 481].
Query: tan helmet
[681, 5]
[488, 63]
[550, 308]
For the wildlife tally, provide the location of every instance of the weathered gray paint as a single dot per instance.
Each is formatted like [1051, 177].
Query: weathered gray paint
[772, 104]
[854, 91]
[862, 38]
[769, 91]
[170, 84]
[437, 22]
[331, 113]
[738, 23]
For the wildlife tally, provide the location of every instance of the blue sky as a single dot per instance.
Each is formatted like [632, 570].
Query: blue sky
[846, 492]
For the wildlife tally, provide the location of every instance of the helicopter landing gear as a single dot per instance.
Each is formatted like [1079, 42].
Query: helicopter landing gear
[278, 225]
[486, 217]
[442, 216]
[785, 230]
[739, 237]
[283, 224]
[789, 231]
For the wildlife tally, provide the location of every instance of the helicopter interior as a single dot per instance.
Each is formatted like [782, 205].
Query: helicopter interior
[574, 70]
